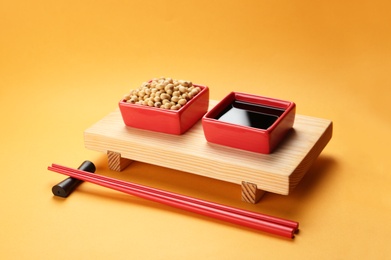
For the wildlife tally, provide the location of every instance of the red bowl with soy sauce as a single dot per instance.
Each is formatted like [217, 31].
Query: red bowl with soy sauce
[249, 122]
[166, 121]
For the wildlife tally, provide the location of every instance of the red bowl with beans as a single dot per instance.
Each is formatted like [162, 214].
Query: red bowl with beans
[163, 120]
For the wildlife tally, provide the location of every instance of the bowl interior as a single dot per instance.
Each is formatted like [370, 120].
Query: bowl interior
[249, 110]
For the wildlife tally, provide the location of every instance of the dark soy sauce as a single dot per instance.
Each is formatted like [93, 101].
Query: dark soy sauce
[249, 114]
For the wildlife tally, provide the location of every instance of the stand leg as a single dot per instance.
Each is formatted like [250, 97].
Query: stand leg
[116, 162]
[250, 192]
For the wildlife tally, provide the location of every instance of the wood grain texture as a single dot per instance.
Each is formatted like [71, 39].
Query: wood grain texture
[278, 172]
[251, 193]
[116, 162]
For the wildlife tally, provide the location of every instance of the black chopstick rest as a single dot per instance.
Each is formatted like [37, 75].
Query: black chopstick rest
[65, 188]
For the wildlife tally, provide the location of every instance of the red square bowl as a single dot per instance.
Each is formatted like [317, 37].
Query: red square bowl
[249, 122]
[163, 120]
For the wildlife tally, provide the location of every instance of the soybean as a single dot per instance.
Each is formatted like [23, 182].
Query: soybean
[165, 93]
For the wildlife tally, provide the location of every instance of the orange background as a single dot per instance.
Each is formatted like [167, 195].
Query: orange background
[65, 64]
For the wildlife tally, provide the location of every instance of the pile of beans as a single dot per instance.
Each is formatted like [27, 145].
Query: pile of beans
[164, 93]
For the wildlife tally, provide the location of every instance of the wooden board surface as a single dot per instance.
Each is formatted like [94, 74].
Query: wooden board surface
[278, 172]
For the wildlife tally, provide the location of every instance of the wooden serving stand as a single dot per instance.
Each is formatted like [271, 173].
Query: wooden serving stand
[278, 172]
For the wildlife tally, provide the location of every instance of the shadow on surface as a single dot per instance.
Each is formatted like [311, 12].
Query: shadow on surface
[289, 207]
[294, 204]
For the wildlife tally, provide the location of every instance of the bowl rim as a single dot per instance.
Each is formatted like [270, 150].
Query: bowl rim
[234, 95]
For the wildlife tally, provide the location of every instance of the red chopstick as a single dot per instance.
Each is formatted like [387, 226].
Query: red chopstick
[250, 219]
[268, 218]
